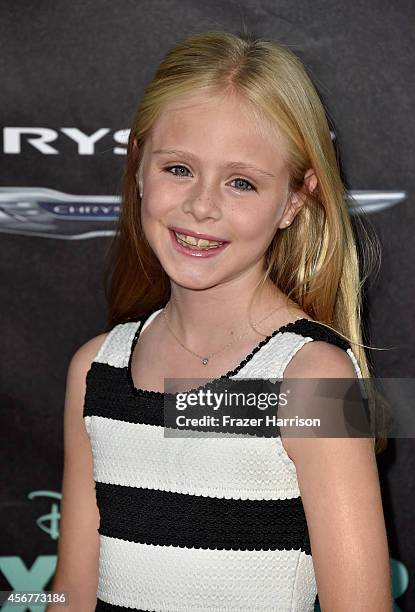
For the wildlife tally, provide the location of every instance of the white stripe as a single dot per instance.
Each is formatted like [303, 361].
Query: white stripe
[169, 578]
[115, 350]
[231, 467]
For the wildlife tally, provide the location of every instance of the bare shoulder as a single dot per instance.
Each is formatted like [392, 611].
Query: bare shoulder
[77, 371]
[85, 354]
[318, 359]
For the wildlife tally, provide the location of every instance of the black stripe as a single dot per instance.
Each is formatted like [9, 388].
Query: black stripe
[108, 395]
[103, 606]
[151, 516]
[317, 331]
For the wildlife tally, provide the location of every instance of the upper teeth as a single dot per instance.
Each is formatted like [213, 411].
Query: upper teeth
[201, 242]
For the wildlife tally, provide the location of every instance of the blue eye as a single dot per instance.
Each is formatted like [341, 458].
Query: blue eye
[247, 182]
[169, 168]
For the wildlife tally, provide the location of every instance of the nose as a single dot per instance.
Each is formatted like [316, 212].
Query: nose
[202, 205]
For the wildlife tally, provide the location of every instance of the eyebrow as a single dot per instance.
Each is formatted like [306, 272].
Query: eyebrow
[232, 164]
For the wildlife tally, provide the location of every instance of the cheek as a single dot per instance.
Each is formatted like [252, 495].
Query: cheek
[258, 225]
[155, 213]
[155, 205]
[149, 216]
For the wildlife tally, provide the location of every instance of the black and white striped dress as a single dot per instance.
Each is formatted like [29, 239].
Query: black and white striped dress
[195, 524]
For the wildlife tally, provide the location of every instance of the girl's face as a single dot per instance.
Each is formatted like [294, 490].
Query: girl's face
[196, 177]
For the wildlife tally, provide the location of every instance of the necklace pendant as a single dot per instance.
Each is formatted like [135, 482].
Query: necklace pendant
[205, 360]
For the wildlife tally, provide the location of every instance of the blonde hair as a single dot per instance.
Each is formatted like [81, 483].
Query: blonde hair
[314, 262]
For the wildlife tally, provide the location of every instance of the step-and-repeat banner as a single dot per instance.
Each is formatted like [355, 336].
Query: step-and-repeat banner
[71, 76]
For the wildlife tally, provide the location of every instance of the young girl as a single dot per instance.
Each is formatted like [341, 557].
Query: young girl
[234, 257]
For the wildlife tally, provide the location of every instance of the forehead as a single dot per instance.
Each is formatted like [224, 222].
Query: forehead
[226, 123]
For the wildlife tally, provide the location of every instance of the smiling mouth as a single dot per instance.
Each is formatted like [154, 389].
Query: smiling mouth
[197, 244]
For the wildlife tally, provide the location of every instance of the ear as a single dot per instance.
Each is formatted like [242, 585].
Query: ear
[297, 199]
[310, 180]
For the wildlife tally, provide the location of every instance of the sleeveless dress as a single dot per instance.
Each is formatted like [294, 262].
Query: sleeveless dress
[195, 524]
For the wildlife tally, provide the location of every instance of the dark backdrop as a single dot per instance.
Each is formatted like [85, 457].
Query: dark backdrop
[83, 65]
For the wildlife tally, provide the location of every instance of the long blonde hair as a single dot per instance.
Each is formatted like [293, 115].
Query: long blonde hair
[315, 262]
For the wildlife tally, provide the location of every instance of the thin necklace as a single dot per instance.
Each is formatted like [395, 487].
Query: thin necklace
[205, 359]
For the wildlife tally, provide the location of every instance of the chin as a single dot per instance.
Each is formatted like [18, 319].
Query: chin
[194, 282]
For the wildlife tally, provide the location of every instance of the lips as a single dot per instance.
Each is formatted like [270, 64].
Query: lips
[192, 252]
[188, 232]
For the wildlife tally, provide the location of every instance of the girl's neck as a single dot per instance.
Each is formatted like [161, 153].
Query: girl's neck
[194, 320]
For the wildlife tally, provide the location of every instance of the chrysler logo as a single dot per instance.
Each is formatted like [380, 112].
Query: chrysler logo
[37, 211]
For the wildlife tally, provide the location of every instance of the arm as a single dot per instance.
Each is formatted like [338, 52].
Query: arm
[78, 545]
[339, 486]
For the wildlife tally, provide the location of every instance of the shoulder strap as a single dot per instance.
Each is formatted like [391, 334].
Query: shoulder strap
[120, 341]
[115, 350]
[271, 358]
[314, 331]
